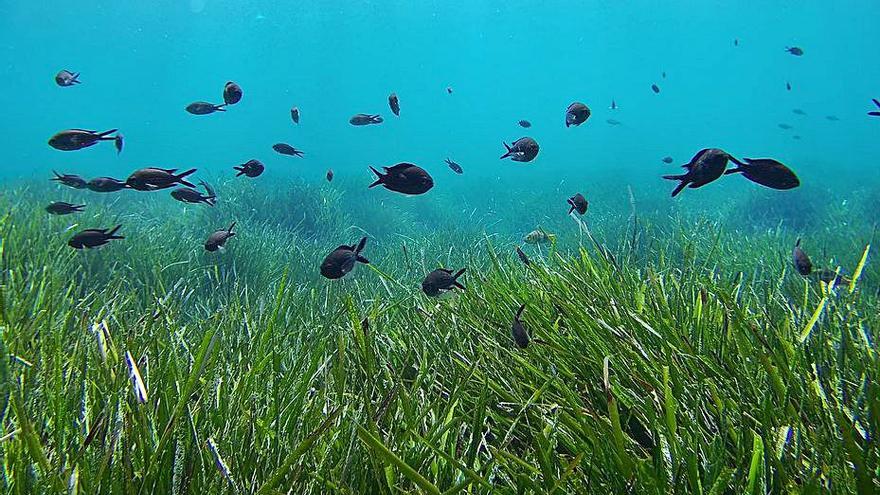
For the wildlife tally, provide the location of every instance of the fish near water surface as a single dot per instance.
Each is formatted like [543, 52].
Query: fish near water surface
[65, 78]
[232, 93]
[706, 166]
[294, 115]
[794, 50]
[875, 113]
[454, 166]
[576, 114]
[286, 149]
[394, 104]
[204, 108]
[404, 178]
[441, 280]
[524, 149]
[92, 238]
[365, 119]
[767, 172]
[342, 260]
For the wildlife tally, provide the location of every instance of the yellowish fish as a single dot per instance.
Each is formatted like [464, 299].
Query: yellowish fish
[539, 236]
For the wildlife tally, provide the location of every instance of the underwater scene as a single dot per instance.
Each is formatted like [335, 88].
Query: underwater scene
[384, 247]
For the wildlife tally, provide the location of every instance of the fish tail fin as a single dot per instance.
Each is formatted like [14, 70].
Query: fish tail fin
[509, 151]
[360, 245]
[210, 200]
[231, 226]
[220, 108]
[75, 79]
[798, 243]
[519, 312]
[180, 177]
[675, 177]
[459, 273]
[57, 176]
[679, 188]
[733, 171]
[379, 177]
[105, 136]
[240, 171]
[78, 207]
[112, 233]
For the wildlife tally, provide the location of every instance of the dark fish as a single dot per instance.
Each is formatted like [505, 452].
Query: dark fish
[286, 149]
[525, 123]
[576, 114]
[251, 168]
[663, 74]
[106, 185]
[797, 52]
[767, 172]
[828, 276]
[785, 127]
[613, 105]
[613, 122]
[736, 42]
[204, 108]
[798, 111]
[118, 143]
[62, 208]
[394, 103]
[788, 86]
[801, 261]
[454, 166]
[342, 260]
[404, 178]
[578, 203]
[232, 93]
[208, 188]
[189, 195]
[832, 118]
[441, 280]
[330, 175]
[524, 149]
[449, 89]
[365, 119]
[77, 139]
[92, 238]
[294, 114]
[153, 179]
[667, 159]
[522, 256]
[875, 113]
[655, 88]
[69, 180]
[796, 137]
[218, 238]
[66, 78]
[706, 166]
[520, 335]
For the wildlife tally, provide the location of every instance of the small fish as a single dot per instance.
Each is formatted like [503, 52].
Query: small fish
[154, 179]
[736, 42]
[118, 143]
[576, 114]
[788, 86]
[77, 139]
[655, 88]
[204, 108]
[875, 113]
[106, 185]
[785, 127]
[796, 137]
[189, 195]
[538, 236]
[251, 168]
[341, 260]
[394, 103]
[441, 280]
[663, 75]
[706, 166]
[801, 261]
[454, 166]
[522, 256]
[832, 118]
[613, 105]
[208, 188]
[232, 93]
[404, 178]
[286, 149]
[330, 175]
[365, 119]
[294, 115]
[767, 172]
[524, 123]
[613, 122]
[797, 52]
[667, 159]
[520, 335]
[578, 203]
[831, 276]
[449, 89]
[69, 180]
[66, 78]
[62, 208]
[524, 149]
[218, 239]
[798, 111]
[92, 238]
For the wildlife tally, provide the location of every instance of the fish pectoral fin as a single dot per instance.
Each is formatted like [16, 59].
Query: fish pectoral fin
[363, 260]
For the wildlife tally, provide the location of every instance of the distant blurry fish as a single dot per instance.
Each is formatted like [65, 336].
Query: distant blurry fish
[251, 168]
[520, 335]
[365, 119]
[797, 52]
[800, 259]
[92, 238]
[525, 123]
[404, 178]
[655, 88]
[106, 185]
[189, 195]
[341, 260]
[767, 172]
[294, 115]
[522, 256]
[218, 239]
[798, 111]
[785, 127]
[663, 75]
[539, 236]
[613, 122]
[118, 143]
[524, 149]
[330, 175]
[706, 166]
[875, 113]
[796, 137]
[613, 105]
[69, 180]
[394, 103]
[578, 203]
[232, 93]
[286, 149]
[576, 114]
[667, 159]
[77, 139]
[154, 179]
[441, 280]
[736, 42]
[828, 276]
[449, 89]
[454, 166]
[66, 78]
[204, 108]
[62, 208]
[208, 188]
[788, 86]
[833, 118]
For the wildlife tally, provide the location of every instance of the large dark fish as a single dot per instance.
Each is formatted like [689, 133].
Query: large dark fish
[767, 172]
[404, 178]
[204, 108]
[66, 78]
[286, 149]
[522, 256]
[365, 119]
[525, 123]
[189, 195]
[342, 260]
[454, 166]
[232, 93]
[62, 208]
[524, 149]
[520, 335]
[576, 114]
[796, 51]
[875, 113]
[394, 103]
[294, 115]
[251, 168]
[106, 185]
[153, 179]
[801, 261]
[706, 166]
[77, 139]
[218, 238]
[92, 238]
[69, 180]
[441, 280]
[578, 203]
